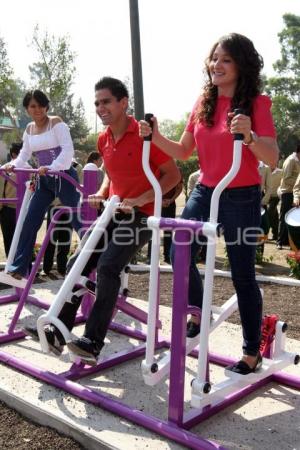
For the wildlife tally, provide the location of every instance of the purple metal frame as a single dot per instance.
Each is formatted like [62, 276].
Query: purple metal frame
[178, 421]
[88, 215]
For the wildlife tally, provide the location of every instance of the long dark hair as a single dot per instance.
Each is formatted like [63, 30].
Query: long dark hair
[249, 64]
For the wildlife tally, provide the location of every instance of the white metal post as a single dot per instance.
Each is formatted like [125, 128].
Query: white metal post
[200, 380]
[154, 265]
[19, 226]
[74, 274]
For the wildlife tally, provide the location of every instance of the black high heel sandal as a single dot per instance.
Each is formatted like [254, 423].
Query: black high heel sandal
[242, 368]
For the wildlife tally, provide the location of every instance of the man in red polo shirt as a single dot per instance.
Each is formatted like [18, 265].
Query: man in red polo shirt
[121, 149]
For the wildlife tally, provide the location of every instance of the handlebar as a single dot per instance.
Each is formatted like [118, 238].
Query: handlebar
[50, 172]
[238, 136]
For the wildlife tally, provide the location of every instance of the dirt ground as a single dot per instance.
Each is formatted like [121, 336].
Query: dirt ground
[18, 433]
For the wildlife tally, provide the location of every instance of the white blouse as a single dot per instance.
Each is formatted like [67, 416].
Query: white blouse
[56, 137]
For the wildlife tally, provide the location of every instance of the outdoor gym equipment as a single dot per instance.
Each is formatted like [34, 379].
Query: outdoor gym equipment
[22, 287]
[206, 398]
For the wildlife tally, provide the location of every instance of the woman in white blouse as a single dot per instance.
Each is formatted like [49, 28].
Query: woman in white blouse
[48, 139]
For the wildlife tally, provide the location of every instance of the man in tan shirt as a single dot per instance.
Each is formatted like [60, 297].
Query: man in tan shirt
[296, 192]
[290, 171]
[192, 181]
[266, 183]
[273, 202]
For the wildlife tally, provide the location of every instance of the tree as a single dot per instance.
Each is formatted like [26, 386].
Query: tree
[7, 83]
[129, 85]
[173, 130]
[53, 73]
[89, 144]
[285, 87]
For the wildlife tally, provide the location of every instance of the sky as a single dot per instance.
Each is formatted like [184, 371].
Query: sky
[176, 36]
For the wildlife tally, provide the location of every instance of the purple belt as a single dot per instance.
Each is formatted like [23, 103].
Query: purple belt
[46, 157]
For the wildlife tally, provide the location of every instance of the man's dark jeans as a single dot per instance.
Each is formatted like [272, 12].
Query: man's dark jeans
[124, 236]
[273, 216]
[239, 213]
[286, 205]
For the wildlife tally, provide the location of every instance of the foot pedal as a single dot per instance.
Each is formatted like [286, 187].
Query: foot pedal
[268, 329]
[87, 284]
[6, 278]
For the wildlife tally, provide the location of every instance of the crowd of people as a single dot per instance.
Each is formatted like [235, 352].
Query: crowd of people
[280, 190]
[233, 80]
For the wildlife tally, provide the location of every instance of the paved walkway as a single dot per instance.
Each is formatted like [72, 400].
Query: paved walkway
[268, 419]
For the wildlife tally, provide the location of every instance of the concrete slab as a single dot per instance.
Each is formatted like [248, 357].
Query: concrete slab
[267, 419]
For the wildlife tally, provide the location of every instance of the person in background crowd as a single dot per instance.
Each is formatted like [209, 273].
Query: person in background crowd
[78, 167]
[281, 160]
[296, 192]
[265, 175]
[290, 171]
[94, 162]
[168, 210]
[273, 202]
[61, 236]
[266, 186]
[192, 181]
[233, 70]
[8, 210]
[60, 241]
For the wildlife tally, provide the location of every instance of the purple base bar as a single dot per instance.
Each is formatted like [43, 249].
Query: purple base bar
[5, 299]
[36, 302]
[79, 371]
[166, 429]
[15, 336]
[193, 417]
[287, 379]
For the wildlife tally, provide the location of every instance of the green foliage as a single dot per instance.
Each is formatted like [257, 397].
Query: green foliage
[293, 260]
[128, 83]
[285, 87]
[89, 144]
[259, 256]
[6, 77]
[173, 130]
[10, 88]
[12, 136]
[54, 73]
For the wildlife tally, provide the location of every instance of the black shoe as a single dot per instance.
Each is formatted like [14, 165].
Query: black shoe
[279, 247]
[56, 344]
[86, 349]
[192, 329]
[242, 368]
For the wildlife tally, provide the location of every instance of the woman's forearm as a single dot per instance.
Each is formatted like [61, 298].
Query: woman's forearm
[265, 149]
[178, 150]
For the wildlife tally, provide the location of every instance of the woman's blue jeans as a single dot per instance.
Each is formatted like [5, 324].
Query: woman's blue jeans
[239, 213]
[47, 189]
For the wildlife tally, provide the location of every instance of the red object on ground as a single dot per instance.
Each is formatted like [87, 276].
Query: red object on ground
[268, 329]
